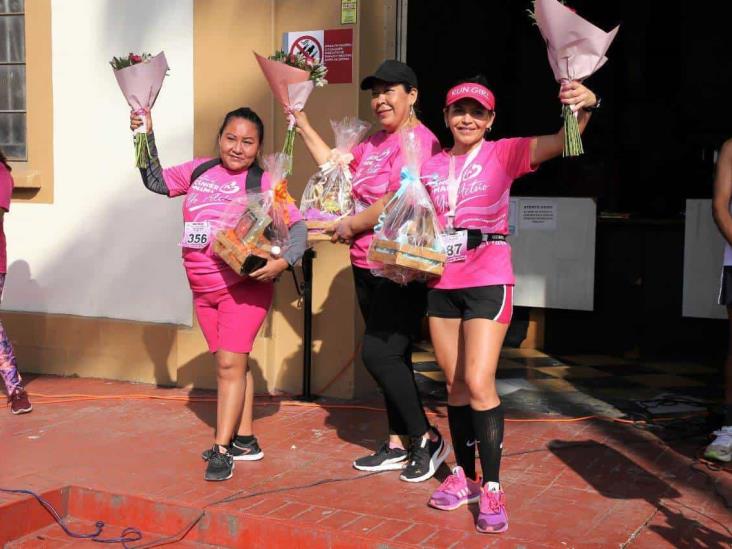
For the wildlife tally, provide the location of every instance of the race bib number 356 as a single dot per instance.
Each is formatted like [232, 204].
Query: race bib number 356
[196, 234]
[456, 246]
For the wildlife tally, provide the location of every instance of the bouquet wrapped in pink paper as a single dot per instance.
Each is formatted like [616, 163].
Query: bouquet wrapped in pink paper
[292, 79]
[576, 49]
[140, 78]
[327, 196]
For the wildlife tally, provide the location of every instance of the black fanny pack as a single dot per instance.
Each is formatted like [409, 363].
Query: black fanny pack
[476, 237]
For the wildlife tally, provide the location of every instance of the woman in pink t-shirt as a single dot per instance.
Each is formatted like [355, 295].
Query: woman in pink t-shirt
[391, 312]
[470, 306]
[17, 397]
[230, 309]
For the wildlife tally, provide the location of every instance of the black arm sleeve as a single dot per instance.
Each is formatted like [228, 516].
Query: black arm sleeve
[152, 176]
[298, 242]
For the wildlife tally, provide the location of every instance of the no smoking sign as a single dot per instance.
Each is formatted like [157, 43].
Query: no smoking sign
[333, 48]
[308, 46]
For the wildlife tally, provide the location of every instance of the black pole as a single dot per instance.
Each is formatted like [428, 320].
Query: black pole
[307, 305]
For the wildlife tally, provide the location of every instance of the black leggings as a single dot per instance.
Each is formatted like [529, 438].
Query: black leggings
[392, 314]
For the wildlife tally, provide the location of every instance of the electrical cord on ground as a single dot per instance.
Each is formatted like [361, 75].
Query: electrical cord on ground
[128, 535]
[241, 495]
[131, 535]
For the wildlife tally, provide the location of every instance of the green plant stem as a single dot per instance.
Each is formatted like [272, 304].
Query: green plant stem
[142, 150]
[572, 137]
[289, 147]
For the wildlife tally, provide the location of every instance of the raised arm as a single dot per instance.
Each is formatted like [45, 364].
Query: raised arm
[575, 94]
[319, 149]
[723, 192]
[152, 176]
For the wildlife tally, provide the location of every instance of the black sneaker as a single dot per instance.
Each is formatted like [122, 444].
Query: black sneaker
[249, 451]
[425, 457]
[220, 466]
[385, 459]
[208, 452]
[240, 451]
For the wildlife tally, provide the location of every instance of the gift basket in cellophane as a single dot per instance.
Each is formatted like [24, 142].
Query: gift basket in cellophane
[407, 240]
[254, 228]
[327, 196]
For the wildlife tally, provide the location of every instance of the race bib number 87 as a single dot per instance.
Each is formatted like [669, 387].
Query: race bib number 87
[456, 246]
[196, 234]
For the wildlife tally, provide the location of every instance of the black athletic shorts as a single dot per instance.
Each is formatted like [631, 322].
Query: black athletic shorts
[491, 302]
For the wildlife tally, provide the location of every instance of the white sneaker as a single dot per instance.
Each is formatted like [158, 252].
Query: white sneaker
[721, 447]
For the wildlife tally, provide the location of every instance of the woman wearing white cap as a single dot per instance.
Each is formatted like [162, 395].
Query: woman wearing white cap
[470, 305]
[391, 312]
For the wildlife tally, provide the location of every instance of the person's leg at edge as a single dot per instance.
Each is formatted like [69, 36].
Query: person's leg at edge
[17, 397]
[461, 487]
[720, 448]
[728, 376]
[483, 342]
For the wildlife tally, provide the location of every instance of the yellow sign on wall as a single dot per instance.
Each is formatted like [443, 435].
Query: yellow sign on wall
[349, 12]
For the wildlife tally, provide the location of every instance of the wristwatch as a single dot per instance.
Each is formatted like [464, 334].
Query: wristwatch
[594, 107]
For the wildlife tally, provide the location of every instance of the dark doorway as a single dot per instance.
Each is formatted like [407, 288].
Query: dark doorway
[666, 93]
[666, 110]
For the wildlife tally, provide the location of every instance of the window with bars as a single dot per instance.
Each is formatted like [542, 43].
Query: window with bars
[12, 79]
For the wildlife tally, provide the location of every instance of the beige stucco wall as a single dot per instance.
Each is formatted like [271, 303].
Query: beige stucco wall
[226, 76]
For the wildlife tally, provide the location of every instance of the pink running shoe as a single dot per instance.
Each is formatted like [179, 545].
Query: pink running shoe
[455, 491]
[492, 518]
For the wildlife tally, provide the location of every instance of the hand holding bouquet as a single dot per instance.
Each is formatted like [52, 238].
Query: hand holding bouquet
[576, 49]
[292, 79]
[140, 78]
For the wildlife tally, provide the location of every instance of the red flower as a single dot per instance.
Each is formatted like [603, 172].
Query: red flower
[135, 58]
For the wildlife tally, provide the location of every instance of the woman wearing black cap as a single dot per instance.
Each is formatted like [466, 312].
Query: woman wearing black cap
[391, 312]
[470, 305]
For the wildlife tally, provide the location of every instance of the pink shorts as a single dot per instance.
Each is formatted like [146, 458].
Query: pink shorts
[230, 318]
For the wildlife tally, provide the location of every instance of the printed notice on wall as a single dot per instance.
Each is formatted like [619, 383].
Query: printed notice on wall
[538, 215]
[349, 12]
[513, 207]
[333, 48]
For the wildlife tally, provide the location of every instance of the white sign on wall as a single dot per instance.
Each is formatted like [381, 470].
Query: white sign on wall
[538, 215]
[554, 258]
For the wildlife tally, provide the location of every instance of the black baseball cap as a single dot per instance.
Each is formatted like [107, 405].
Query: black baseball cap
[392, 71]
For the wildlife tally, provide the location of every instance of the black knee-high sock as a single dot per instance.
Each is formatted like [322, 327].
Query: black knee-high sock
[488, 426]
[460, 419]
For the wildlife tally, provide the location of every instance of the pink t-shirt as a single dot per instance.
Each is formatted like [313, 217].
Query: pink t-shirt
[206, 200]
[377, 162]
[6, 191]
[482, 203]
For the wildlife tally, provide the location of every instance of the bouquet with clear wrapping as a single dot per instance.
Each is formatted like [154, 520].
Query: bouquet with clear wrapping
[255, 227]
[327, 196]
[407, 240]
